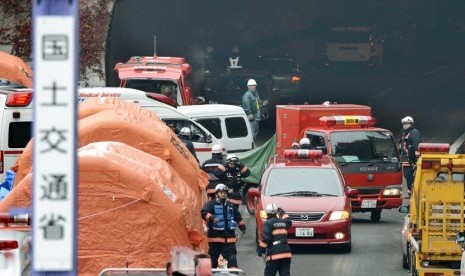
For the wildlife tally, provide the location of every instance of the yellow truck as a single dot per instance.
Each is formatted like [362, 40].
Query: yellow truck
[435, 214]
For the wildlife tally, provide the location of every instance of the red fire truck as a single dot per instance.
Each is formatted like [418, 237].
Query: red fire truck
[367, 155]
[166, 77]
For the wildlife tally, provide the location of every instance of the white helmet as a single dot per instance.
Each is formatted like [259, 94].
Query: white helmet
[271, 209]
[304, 141]
[185, 131]
[231, 158]
[251, 82]
[221, 187]
[217, 149]
[407, 120]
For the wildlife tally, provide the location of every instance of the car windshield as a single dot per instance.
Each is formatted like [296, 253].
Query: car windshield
[153, 86]
[236, 86]
[277, 66]
[303, 182]
[363, 146]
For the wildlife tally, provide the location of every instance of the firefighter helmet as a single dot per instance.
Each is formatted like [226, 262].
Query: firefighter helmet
[407, 120]
[271, 209]
[304, 142]
[231, 158]
[221, 187]
[217, 149]
[185, 131]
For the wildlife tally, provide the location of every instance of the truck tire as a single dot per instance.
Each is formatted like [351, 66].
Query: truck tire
[375, 215]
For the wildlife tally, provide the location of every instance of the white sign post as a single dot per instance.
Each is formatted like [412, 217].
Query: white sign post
[54, 151]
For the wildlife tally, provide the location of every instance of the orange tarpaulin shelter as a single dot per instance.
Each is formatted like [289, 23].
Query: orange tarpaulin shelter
[110, 119]
[133, 208]
[15, 70]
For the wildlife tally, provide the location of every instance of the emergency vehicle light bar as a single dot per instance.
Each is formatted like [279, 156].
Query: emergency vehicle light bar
[8, 245]
[350, 121]
[434, 147]
[6, 218]
[149, 68]
[303, 154]
[19, 99]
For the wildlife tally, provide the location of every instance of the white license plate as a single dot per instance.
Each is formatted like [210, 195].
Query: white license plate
[304, 232]
[369, 203]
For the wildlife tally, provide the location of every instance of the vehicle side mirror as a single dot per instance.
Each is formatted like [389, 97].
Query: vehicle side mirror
[353, 192]
[404, 209]
[460, 238]
[208, 139]
[254, 192]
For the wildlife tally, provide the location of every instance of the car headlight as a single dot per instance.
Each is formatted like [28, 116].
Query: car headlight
[393, 191]
[339, 215]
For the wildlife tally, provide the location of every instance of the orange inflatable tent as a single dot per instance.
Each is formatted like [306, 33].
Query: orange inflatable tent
[133, 208]
[15, 70]
[110, 119]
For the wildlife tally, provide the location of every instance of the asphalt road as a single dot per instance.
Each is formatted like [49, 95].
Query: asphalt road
[376, 250]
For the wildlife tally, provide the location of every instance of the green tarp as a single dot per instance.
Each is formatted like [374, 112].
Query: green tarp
[256, 159]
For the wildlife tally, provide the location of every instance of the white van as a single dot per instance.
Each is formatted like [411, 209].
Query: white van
[202, 139]
[228, 123]
[15, 125]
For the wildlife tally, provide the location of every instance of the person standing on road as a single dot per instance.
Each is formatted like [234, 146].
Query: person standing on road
[251, 106]
[185, 136]
[222, 218]
[210, 166]
[411, 137]
[231, 173]
[274, 242]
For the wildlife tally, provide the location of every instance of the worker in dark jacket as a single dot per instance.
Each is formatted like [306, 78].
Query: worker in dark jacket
[231, 174]
[210, 166]
[185, 136]
[411, 137]
[274, 242]
[222, 219]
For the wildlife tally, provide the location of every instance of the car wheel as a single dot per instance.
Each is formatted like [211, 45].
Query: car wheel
[413, 271]
[375, 215]
[248, 201]
[344, 248]
[405, 264]
[256, 239]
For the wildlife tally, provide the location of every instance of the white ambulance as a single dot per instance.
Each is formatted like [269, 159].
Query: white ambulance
[202, 139]
[15, 125]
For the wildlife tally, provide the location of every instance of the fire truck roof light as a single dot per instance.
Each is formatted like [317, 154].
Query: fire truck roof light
[149, 68]
[19, 99]
[347, 121]
[434, 147]
[8, 245]
[303, 154]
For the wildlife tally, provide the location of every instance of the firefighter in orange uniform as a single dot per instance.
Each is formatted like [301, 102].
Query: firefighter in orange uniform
[274, 242]
[222, 218]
